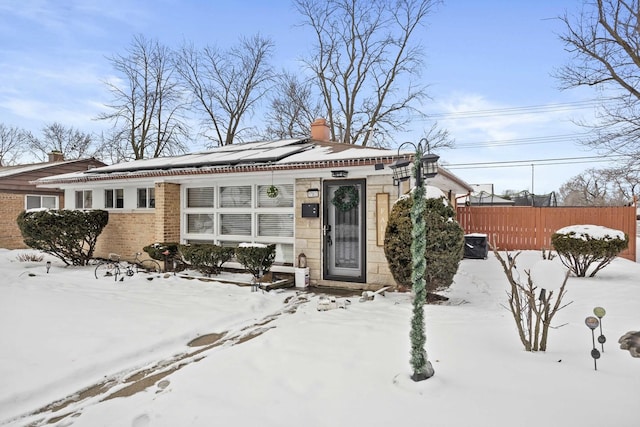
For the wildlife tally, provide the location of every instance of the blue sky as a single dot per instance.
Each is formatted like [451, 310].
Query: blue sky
[493, 56]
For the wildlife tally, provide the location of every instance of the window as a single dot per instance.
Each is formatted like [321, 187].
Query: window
[235, 197]
[284, 199]
[114, 198]
[233, 214]
[37, 202]
[147, 197]
[276, 225]
[200, 223]
[84, 199]
[200, 197]
[235, 224]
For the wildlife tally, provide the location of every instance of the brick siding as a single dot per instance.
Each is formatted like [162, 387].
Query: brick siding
[10, 207]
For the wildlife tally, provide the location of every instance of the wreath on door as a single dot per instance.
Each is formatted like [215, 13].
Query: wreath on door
[346, 198]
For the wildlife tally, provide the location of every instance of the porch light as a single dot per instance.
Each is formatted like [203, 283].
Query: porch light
[339, 174]
[313, 192]
[427, 166]
[401, 170]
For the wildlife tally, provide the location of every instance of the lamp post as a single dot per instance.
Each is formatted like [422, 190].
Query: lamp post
[424, 166]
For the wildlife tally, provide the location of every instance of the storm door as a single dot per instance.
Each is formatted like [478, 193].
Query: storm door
[344, 227]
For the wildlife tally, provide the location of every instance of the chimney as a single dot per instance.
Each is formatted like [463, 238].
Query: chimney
[320, 130]
[56, 156]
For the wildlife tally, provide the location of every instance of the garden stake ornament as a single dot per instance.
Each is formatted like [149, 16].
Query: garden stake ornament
[593, 323]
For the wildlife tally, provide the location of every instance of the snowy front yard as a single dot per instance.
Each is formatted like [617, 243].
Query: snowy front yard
[281, 362]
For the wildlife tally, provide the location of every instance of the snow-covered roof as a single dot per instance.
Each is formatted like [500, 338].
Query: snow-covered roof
[277, 155]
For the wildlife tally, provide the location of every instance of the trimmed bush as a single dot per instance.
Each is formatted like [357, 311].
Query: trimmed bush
[162, 251]
[444, 239]
[206, 258]
[69, 235]
[581, 246]
[256, 259]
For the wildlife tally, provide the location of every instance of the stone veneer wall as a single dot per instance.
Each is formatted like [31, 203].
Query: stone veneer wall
[309, 235]
[10, 207]
[308, 230]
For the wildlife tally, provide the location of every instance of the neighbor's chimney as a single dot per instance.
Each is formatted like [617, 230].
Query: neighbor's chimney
[56, 156]
[320, 130]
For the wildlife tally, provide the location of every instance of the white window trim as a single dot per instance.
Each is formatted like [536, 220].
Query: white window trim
[57, 199]
[147, 188]
[218, 238]
[83, 207]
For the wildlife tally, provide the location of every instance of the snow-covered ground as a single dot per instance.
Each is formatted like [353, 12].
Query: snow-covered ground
[282, 362]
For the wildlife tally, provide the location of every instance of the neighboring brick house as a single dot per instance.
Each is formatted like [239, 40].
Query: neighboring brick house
[222, 196]
[17, 192]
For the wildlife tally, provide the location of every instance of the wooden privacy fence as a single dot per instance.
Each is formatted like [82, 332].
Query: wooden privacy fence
[524, 227]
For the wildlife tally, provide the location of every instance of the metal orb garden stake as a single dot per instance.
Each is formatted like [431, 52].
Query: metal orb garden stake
[600, 312]
[593, 323]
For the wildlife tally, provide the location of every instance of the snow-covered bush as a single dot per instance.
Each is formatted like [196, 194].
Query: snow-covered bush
[70, 235]
[580, 246]
[444, 243]
[256, 258]
[206, 258]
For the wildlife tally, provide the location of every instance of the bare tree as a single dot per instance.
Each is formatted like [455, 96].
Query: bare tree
[624, 183]
[148, 105]
[226, 85]
[365, 62]
[12, 144]
[438, 138]
[292, 107]
[602, 187]
[72, 143]
[604, 41]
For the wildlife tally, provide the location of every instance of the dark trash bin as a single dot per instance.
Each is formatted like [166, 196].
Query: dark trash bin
[476, 246]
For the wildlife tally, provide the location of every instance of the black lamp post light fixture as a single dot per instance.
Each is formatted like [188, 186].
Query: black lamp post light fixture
[424, 166]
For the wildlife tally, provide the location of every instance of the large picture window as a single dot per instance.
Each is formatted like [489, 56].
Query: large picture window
[231, 214]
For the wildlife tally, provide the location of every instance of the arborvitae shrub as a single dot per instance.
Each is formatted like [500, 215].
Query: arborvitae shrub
[444, 239]
[70, 235]
[206, 258]
[256, 259]
[578, 251]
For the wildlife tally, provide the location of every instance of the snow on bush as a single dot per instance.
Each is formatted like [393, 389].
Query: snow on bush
[581, 246]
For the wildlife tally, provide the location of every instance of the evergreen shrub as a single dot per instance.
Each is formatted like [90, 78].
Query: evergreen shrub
[256, 259]
[444, 243]
[158, 251]
[70, 235]
[579, 250]
[206, 258]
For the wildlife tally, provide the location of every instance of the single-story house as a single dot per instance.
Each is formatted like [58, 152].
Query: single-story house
[331, 204]
[18, 192]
